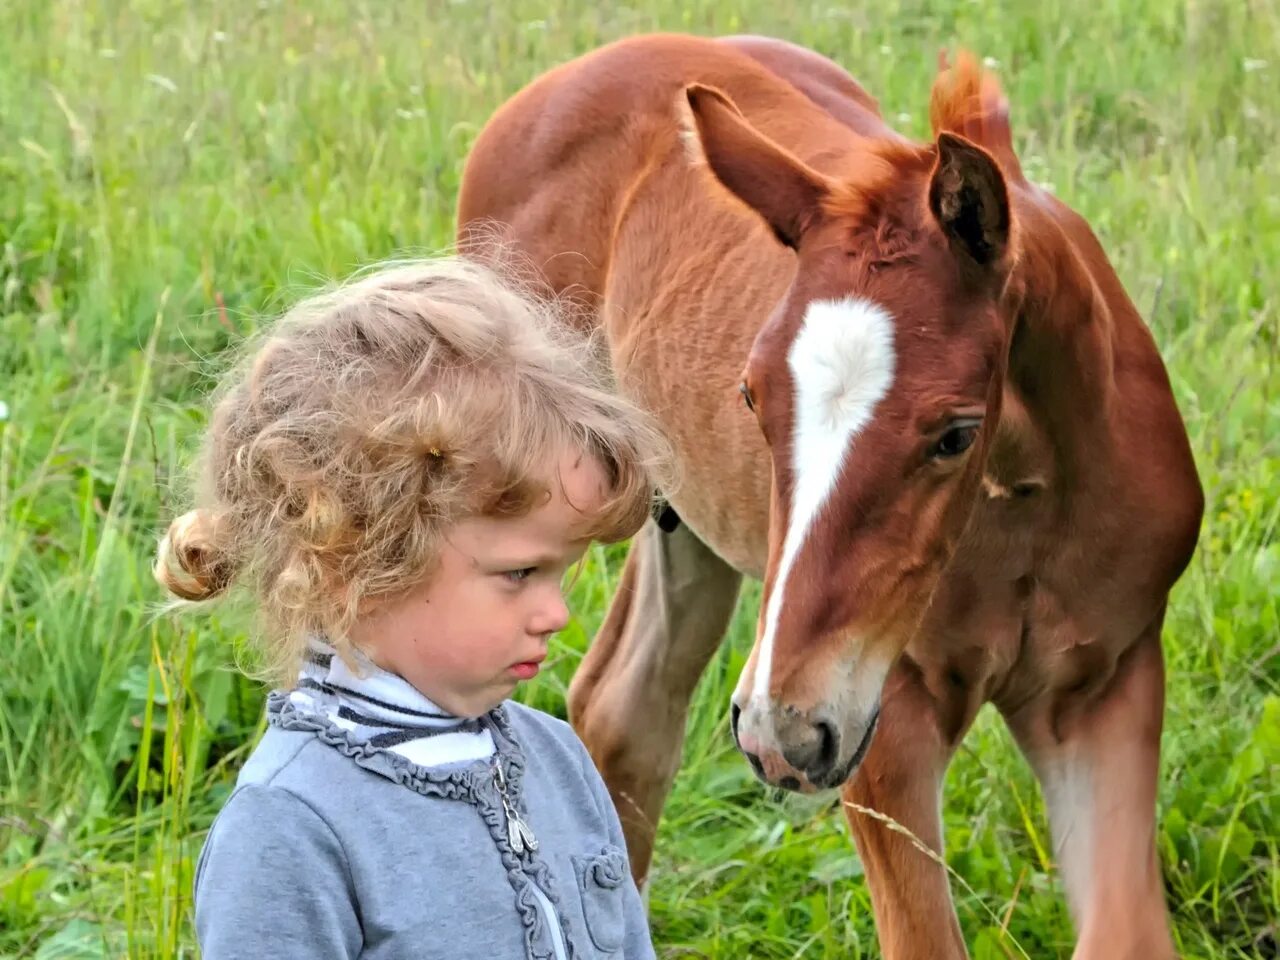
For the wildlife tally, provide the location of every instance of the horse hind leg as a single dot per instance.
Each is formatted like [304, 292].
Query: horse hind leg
[629, 699]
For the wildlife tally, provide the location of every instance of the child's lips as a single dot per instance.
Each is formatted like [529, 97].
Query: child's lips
[527, 669]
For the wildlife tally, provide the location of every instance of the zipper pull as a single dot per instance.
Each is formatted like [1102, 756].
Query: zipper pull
[513, 833]
[519, 835]
[526, 834]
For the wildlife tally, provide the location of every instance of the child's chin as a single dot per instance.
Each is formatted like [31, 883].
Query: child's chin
[479, 708]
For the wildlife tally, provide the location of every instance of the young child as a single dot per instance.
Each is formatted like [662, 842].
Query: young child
[402, 474]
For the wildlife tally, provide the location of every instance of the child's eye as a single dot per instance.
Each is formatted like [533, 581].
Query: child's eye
[516, 576]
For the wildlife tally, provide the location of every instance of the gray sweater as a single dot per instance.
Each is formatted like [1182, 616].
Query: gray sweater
[329, 847]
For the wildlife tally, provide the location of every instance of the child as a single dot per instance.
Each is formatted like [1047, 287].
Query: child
[403, 474]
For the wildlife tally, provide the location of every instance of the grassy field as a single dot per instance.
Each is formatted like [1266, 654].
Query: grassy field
[172, 172]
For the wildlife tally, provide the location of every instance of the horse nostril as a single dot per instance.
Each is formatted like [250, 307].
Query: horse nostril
[828, 745]
[735, 712]
[817, 750]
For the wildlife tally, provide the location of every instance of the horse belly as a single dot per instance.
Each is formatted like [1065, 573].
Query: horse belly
[689, 287]
[722, 491]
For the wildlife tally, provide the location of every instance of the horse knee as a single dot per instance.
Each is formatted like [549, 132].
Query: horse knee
[625, 746]
[599, 728]
[578, 698]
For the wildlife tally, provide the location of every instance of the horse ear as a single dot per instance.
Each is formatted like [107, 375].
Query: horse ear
[969, 199]
[772, 181]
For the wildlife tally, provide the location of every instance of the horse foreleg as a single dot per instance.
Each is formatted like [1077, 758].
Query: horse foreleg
[1097, 761]
[629, 699]
[901, 779]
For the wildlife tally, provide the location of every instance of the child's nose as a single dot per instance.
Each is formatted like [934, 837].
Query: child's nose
[553, 615]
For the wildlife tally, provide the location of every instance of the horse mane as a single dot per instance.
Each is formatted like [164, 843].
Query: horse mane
[967, 100]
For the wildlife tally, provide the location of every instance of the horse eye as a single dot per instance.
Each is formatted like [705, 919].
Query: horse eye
[746, 396]
[957, 438]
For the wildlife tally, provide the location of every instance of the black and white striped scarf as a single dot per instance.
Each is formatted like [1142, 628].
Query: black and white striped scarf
[385, 710]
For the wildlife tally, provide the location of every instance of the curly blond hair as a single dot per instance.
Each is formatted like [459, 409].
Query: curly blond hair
[369, 418]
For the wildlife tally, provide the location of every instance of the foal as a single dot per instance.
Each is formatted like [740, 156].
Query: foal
[956, 462]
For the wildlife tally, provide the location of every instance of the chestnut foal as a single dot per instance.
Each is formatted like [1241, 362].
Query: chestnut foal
[956, 463]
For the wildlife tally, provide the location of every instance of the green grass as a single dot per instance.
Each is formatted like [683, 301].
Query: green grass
[169, 172]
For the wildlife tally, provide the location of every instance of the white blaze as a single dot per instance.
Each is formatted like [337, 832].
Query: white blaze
[841, 364]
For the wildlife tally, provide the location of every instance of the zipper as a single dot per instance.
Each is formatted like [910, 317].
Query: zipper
[553, 921]
[520, 836]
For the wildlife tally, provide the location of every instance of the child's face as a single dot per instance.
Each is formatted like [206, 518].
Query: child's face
[480, 623]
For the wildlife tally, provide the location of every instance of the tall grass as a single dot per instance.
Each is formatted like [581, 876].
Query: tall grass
[170, 172]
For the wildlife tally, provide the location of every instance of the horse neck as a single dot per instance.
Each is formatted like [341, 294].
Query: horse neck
[1062, 355]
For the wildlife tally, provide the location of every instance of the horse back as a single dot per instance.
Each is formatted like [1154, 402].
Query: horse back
[552, 172]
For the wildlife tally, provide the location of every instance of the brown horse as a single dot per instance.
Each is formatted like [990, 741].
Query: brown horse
[956, 462]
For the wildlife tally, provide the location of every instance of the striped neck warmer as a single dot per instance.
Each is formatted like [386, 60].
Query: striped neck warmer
[386, 711]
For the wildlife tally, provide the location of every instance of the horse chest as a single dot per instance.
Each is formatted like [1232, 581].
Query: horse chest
[1027, 610]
